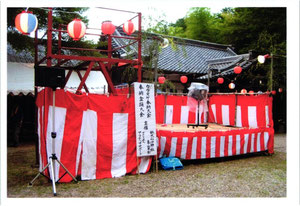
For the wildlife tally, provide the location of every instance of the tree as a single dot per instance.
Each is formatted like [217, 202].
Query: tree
[244, 26]
[198, 23]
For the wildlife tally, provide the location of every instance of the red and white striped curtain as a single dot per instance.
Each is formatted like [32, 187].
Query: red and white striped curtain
[208, 144]
[253, 113]
[179, 110]
[95, 135]
[241, 110]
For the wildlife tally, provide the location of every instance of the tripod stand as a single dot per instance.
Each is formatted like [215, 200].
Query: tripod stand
[53, 158]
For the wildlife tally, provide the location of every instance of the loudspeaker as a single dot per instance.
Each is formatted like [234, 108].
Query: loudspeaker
[49, 77]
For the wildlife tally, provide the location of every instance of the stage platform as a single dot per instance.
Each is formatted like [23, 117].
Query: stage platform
[186, 128]
[216, 141]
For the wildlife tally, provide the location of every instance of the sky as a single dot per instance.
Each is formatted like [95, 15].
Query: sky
[168, 11]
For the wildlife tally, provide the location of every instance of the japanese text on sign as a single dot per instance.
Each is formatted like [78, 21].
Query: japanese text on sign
[145, 119]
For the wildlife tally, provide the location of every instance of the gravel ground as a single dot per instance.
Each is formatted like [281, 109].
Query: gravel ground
[280, 143]
[255, 175]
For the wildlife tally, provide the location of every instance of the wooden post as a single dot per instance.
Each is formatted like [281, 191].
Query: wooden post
[271, 75]
[156, 163]
[138, 165]
[140, 47]
[208, 76]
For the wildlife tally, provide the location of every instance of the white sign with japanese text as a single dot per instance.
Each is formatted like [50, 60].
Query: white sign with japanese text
[145, 119]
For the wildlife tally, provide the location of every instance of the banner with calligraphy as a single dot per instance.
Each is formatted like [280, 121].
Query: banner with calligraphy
[145, 119]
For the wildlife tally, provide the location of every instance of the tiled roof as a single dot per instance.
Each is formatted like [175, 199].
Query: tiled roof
[21, 57]
[188, 56]
[26, 56]
[225, 66]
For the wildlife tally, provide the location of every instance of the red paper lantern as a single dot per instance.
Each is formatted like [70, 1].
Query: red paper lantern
[231, 85]
[26, 22]
[220, 80]
[183, 79]
[121, 64]
[136, 66]
[243, 91]
[161, 80]
[251, 92]
[76, 29]
[273, 92]
[108, 28]
[128, 27]
[237, 69]
[280, 90]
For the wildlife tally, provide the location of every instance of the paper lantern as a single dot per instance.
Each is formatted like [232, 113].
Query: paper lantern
[220, 80]
[231, 85]
[128, 27]
[121, 64]
[161, 80]
[261, 59]
[237, 69]
[243, 91]
[76, 29]
[136, 66]
[273, 92]
[251, 92]
[108, 28]
[183, 79]
[280, 90]
[26, 22]
[164, 43]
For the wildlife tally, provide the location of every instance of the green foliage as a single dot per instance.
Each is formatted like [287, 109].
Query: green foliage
[167, 85]
[262, 30]
[197, 24]
[129, 75]
[259, 29]
[20, 42]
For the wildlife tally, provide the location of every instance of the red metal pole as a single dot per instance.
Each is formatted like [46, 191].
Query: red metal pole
[109, 54]
[49, 38]
[68, 77]
[85, 76]
[36, 47]
[90, 58]
[80, 77]
[140, 48]
[108, 79]
[59, 44]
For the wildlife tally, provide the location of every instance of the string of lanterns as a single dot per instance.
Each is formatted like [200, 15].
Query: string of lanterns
[26, 22]
[162, 79]
[238, 69]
